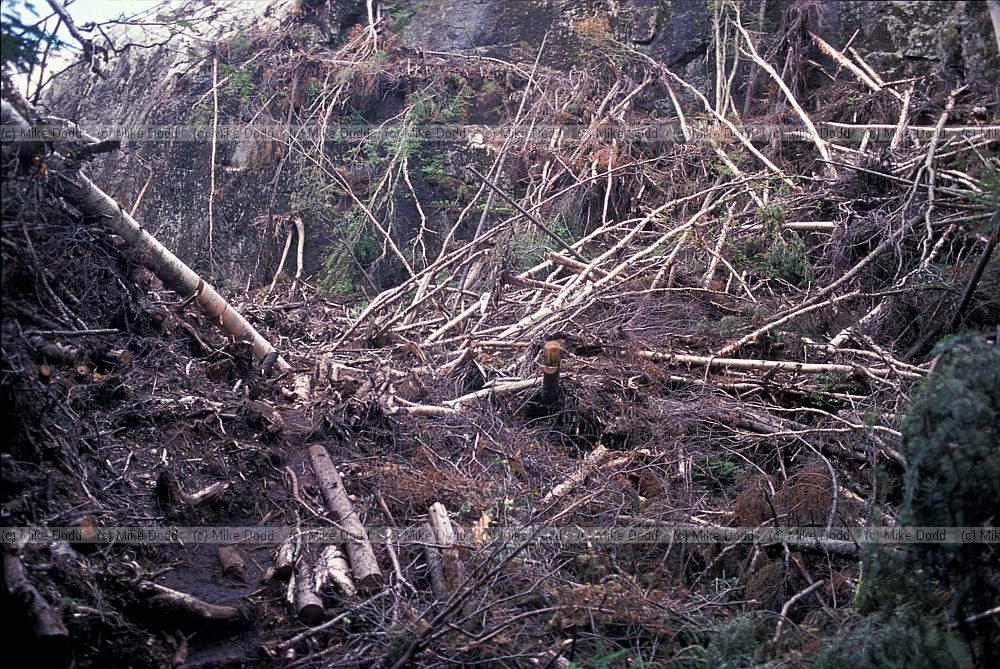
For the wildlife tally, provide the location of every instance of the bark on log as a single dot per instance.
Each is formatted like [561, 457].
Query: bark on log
[284, 559]
[590, 461]
[444, 537]
[332, 567]
[359, 549]
[233, 565]
[79, 191]
[176, 601]
[45, 620]
[55, 352]
[435, 568]
[763, 365]
[308, 604]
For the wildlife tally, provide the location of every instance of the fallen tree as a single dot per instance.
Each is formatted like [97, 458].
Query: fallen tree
[66, 179]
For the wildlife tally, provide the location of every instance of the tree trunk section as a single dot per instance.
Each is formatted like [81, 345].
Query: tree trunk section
[359, 550]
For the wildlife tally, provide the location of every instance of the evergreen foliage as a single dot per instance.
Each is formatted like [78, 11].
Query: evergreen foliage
[951, 438]
[20, 38]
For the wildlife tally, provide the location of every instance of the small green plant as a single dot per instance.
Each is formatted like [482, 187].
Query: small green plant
[343, 265]
[786, 258]
[239, 43]
[240, 79]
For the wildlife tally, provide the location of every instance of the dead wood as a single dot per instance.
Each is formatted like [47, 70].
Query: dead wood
[308, 604]
[331, 568]
[233, 564]
[359, 549]
[46, 621]
[168, 599]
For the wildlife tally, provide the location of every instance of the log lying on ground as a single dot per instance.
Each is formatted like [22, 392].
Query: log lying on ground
[359, 549]
[55, 352]
[332, 568]
[79, 191]
[45, 620]
[763, 365]
[181, 602]
[308, 604]
[232, 562]
[284, 559]
[590, 462]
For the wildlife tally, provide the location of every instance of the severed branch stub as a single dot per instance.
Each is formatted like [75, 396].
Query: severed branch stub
[550, 370]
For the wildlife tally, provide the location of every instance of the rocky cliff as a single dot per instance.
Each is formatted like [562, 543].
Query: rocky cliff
[273, 59]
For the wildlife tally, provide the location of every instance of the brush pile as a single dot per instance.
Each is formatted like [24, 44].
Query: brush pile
[558, 324]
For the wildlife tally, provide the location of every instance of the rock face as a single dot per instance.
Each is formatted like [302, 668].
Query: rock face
[170, 82]
[955, 37]
[674, 31]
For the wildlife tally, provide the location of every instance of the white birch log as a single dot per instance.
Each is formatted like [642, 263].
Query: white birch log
[332, 568]
[284, 559]
[79, 191]
[359, 549]
[308, 604]
[579, 475]
[763, 365]
[442, 559]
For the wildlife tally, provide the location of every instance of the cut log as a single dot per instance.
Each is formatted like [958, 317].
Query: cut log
[181, 602]
[233, 565]
[332, 568]
[359, 549]
[745, 365]
[107, 359]
[45, 620]
[79, 191]
[435, 568]
[550, 371]
[56, 353]
[284, 559]
[308, 604]
[302, 389]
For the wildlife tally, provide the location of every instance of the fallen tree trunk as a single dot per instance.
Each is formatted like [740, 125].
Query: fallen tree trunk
[359, 549]
[68, 182]
[308, 604]
[176, 601]
[579, 475]
[763, 365]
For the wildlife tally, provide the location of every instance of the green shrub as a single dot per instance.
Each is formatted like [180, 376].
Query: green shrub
[907, 640]
[920, 595]
[951, 438]
[343, 265]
